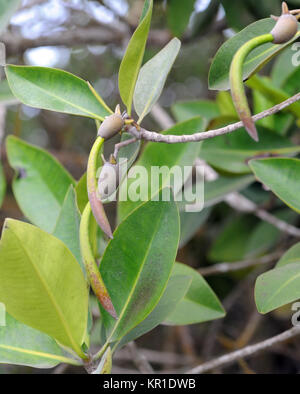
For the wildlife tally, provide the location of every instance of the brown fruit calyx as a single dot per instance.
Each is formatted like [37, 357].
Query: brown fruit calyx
[286, 26]
[111, 125]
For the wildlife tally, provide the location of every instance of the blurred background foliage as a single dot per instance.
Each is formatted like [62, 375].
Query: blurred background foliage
[89, 38]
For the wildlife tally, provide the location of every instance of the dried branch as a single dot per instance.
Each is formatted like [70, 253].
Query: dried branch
[246, 351]
[223, 268]
[175, 139]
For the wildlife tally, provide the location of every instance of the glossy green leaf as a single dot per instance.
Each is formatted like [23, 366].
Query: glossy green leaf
[41, 283]
[23, 345]
[290, 256]
[174, 293]
[2, 184]
[132, 60]
[232, 152]
[277, 287]
[67, 226]
[40, 184]
[200, 303]
[7, 9]
[152, 78]
[178, 15]
[137, 264]
[185, 110]
[6, 96]
[219, 70]
[159, 155]
[55, 90]
[282, 176]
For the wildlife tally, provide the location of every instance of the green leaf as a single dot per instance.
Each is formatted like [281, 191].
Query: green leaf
[232, 152]
[55, 90]
[2, 184]
[41, 283]
[23, 345]
[67, 226]
[6, 96]
[282, 176]
[178, 16]
[277, 287]
[152, 78]
[276, 95]
[160, 155]
[7, 9]
[174, 293]
[132, 60]
[200, 303]
[219, 71]
[231, 243]
[137, 264]
[190, 223]
[185, 110]
[237, 14]
[215, 191]
[283, 67]
[40, 184]
[290, 256]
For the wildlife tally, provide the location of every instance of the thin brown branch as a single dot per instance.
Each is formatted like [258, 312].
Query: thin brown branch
[139, 359]
[122, 144]
[223, 268]
[175, 139]
[98, 35]
[245, 352]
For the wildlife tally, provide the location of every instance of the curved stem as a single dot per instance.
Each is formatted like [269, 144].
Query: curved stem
[96, 204]
[92, 270]
[236, 82]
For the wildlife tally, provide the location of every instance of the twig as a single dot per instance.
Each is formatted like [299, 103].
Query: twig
[223, 268]
[156, 357]
[174, 139]
[139, 359]
[246, 351]
[243, 204]
[100, 35]
[122, 144]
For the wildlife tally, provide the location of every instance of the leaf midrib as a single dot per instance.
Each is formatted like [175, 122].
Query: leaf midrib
[39, 354]
[282, 287]
[62, 100]
[132, 291]
[50, 295]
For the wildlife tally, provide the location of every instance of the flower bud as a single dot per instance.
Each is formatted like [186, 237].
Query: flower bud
[111, 125]
[108, 180]
[286, 26]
